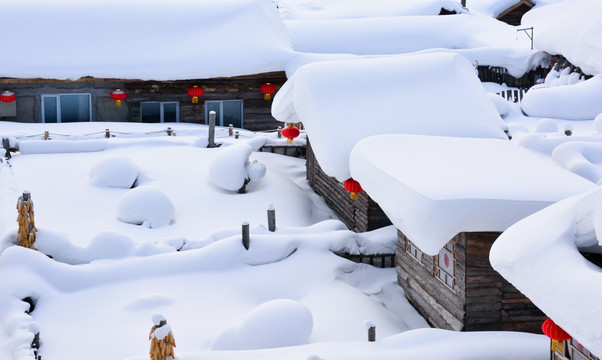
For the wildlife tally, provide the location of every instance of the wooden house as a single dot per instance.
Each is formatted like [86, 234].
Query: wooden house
[153, 52]
[513, 14]
[450, 199]
[559, 246]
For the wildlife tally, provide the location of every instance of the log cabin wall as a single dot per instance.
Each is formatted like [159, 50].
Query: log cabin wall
[256, 110]
[478, 298]
[358, 215]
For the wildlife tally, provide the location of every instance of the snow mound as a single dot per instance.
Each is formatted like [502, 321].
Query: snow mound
[581, 158]
[501, 105]
[146, 206]
[231, 168]
[546, 126]
[581, 101]
[115, 171]
[275, 323]
[598, 123]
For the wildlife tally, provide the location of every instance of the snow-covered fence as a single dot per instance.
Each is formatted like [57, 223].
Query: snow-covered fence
[501, 75]
[377, 260]
[288, 150]
[514, 95]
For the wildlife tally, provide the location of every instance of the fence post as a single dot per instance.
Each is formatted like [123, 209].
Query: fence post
[169, 131]
[279, 132]
[46, 135]
[230, 130]
[211, 129]
[6, 146]
[371, 330]
[246, 239]
[107, 133]
[271, 218]
[236, 134]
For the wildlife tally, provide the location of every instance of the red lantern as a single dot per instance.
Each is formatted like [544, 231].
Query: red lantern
[118, 95]
[353, 187]
[290, 132]
[194, 92]
[267, 89]
[554, 331]
[8, 96]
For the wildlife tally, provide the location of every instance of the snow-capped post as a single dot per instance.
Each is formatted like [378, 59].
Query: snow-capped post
[236, 134]
[26, 235]
[162, 340]
[246, 238]
[279, 132]
[169, 131]
[271, 218]
[230, 130]
[46, 135]
[211, 129]
[107, 133]
[6, 146]
[371, 330]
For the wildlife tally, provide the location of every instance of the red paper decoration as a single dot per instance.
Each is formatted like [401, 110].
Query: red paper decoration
[554, 331]
[8, 96]
[194, 92]
[267, 89]
[290, 132]
[118, 95]
[353, 187]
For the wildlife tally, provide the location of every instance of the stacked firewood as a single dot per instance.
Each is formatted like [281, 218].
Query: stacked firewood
[162, 340]
[27, 227]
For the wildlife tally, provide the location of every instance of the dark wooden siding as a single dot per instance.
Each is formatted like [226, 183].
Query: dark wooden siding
[359, 215]
[256, 110]
[481, 299]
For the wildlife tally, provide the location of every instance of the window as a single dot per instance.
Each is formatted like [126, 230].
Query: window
[62, 108]
[445, 264]
[159, 112]
[414, 251]
[226, 112]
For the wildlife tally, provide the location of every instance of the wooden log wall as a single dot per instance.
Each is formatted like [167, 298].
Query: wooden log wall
[480, 298]
[358, 215]
[500, 75]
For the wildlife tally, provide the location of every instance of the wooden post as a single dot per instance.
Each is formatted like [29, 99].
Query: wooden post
[271, 218]
[46, 135]
[107, 133]
[6, 146]
[169, 131]
[246, 240]
[211, 129]
[236, 134]
[230, 130]
[372, 333]
[279, 132]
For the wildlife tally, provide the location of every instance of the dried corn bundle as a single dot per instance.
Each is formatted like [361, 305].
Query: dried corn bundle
[27, 226]
[162, 340]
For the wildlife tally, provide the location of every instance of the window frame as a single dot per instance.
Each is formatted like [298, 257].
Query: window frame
[161, 110]
[220, 121]
[58, 105]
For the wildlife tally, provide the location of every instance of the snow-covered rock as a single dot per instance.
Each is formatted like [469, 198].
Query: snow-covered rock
[147, 206]
[115, 171]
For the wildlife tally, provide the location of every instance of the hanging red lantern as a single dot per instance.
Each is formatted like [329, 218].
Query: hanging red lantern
[267, 89]
[118, 95]
[353, 187]
[290, 132]
[194, 92]
[8, 96]
[555, 332]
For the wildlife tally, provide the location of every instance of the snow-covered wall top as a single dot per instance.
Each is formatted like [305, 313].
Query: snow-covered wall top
[341, 102]
[570, 28]
[540, 257]
[136, 39]
[433, 188]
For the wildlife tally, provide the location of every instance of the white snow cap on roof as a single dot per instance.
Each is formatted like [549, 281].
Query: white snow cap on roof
[569, 28]
[341, 102]
[433, 187]
[540, 257]
[136, 39]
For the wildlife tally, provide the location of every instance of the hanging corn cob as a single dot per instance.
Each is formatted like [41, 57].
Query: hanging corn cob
[162, 340]
[27, 226]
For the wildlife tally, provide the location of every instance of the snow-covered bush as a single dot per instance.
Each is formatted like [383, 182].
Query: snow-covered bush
[147, 206]
[115, 171]
[231, 169]
[275, 323]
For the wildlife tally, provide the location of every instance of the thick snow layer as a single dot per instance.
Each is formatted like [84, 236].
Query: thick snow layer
[276, 323]
[433, 188]
[540, 256]
[115, 171]
[435, 94]
[138, 39]
[230, 167]
[574, 32]
[582, 158]
[399, 34]
[147, 206]
[580, 101]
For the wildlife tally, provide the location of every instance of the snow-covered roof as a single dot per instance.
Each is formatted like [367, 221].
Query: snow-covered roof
[341, 102]
[136, 39]
[540, 257]
[570, 28]
[433, 188]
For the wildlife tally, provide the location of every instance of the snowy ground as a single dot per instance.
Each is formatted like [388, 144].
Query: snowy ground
[107, 277]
